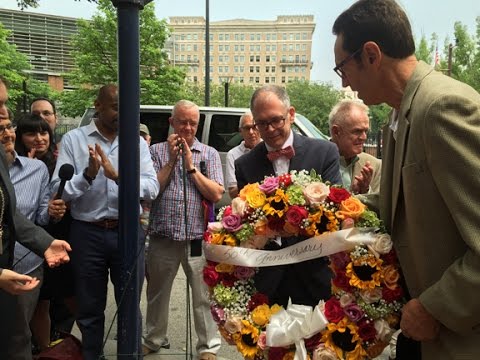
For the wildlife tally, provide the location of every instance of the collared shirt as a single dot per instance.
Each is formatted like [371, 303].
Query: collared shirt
[282, 164]
[232, 155]
[167, 212]
[30, 180]
[100, 199]
[346, 171]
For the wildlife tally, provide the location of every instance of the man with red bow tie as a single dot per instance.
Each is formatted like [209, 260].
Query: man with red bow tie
[281, 151]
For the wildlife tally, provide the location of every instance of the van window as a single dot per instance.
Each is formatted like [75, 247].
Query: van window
[159, 126]
[224, 133]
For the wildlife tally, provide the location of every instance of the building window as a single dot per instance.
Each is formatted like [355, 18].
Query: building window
[267, 47]
[220, 58]
[284, 47]
[252, 47]
[257, 58]
[297, 36]
[258, 47]
[251, 69]
[274, 36]
[220, 36]
[195, 47]
[252, 58]
[272, 80]
[242, 47]
[182, 47]
[227, 47]
[290, 47]
[268, 37]
[267, 80]
[252, 37]
[257, 80]
[284, 36]
[235, 58]
[273, 69]
[235, 69]
[236, 47]
[304, 36]
[304, 47]
[242, 58]
[251, 79]
[297, 47]
[227, 58]
[242, 69]
[259, 37]
[284, 69]
[291, 36]
[195, 36]
[240, 80]
[220, 69]
[267, 68]
[242, 37]
[257, 69]
[189, 47]
[220, 47]
[227, 37]
[273, 58]
[283, 79]
[195, 79]
[274, 47]
[211, 69]
[267, 58]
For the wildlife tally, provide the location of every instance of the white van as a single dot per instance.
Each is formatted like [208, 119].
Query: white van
[218, 127]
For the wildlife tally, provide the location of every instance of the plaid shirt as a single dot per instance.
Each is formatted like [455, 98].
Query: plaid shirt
[167, 212]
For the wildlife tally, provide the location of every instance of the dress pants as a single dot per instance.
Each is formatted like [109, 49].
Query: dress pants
[163, 259]
[7, 311]
[21, 342]
[94, 253]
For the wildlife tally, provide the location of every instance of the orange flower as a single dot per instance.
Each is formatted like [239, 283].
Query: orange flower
[350, 208]
[390, 276]
[225, 268]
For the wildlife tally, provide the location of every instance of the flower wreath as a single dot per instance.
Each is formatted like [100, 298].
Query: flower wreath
[363, 311]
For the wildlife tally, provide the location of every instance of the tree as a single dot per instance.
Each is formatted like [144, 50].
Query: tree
[95, 56]
[314, 101]
[14, 67]
[23, 4]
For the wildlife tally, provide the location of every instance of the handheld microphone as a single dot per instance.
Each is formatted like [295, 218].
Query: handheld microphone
[65, 173]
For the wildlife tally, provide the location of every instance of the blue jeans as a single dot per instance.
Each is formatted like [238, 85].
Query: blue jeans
[94, 253]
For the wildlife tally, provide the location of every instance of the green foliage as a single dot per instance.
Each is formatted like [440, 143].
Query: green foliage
[314, 101]
[14, 67]
[378, 117]
[238, 94]
[23, 4]
[96, 60]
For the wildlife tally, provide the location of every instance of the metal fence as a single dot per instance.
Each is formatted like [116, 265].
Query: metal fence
[62, 129]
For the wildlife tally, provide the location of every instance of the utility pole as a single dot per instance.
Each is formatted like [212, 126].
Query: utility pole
[207, 53]
[450, 55]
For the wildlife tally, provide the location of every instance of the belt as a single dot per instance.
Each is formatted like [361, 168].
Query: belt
[106, 223]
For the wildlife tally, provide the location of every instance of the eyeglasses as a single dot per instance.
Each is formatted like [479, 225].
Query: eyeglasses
[185, 123]
[44, 113]
[248, 127]
[275, 123]
[8, 127]
[338, 69]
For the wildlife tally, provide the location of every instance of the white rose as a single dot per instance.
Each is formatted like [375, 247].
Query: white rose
[383, 244]
[384, 331]
[323, 353]
[346, 299]
[372, 295]
[233, 325]
[316, 193]
[238, 206]
[215, 227]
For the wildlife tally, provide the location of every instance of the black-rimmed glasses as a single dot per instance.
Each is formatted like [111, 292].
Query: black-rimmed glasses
[275, 123]
[8, 127]
[338, 69]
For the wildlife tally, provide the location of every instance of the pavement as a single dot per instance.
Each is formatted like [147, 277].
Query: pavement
[177, 328]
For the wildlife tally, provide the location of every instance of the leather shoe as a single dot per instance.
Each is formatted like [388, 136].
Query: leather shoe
[207, 356]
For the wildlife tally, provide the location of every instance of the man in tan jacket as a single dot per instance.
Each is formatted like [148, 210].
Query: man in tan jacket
[430, 194]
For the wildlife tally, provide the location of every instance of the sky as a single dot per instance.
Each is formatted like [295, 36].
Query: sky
[426, 16]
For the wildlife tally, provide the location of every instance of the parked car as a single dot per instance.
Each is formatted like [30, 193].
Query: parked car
[218, 127]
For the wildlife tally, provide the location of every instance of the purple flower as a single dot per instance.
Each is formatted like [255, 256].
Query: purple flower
[353, 312]
[232, 222]
[218, 314]
[243, 273]
[270, 184]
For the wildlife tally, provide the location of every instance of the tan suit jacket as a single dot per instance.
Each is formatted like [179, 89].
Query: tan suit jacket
[430, 202]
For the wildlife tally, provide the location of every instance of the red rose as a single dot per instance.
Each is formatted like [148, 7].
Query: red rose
[295, 214]
[340, 260]
[228, 280]
[285, 180]
[313, 342]
[276, 353]
[341, 281]
[207, 237]
[366, 330]
[391, 295]
[390, 258]
[227, 211]
[337, 195]
[333, 310]
[257, 299]
[210, 276]
[275, 223]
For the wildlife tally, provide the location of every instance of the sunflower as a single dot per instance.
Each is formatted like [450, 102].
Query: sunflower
[276, 204]
[365, 274]
[246, 340]
[344, 340]
[321, 221]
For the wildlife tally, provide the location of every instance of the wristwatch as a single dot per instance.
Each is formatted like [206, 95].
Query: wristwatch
[192, 171]
[88, 178]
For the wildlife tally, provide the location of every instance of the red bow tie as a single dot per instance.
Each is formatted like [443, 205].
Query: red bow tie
[288, 152]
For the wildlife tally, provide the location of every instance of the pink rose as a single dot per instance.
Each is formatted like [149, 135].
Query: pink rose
[316, 193]
[295, 214]
[348, 223]
[262, 340]
[243, 272]
[233, 325]
[270, 184]
[232, 222]
[218, 314]
[353, 312]
[239, 206]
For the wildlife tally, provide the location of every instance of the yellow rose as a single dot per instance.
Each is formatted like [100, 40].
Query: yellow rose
[390, 276]
[256, 199]
[230, 240]
[247, 189]
[275, 309]
[261, 315]
[350, 208]
[217, 238]
[224, 268]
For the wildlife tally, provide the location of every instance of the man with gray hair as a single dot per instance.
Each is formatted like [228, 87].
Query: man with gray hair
[251, 137]
[349, 125]
[174, 242]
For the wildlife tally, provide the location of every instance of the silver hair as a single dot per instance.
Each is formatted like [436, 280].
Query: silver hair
[242, 118]
[342, 109]
[184, 104]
